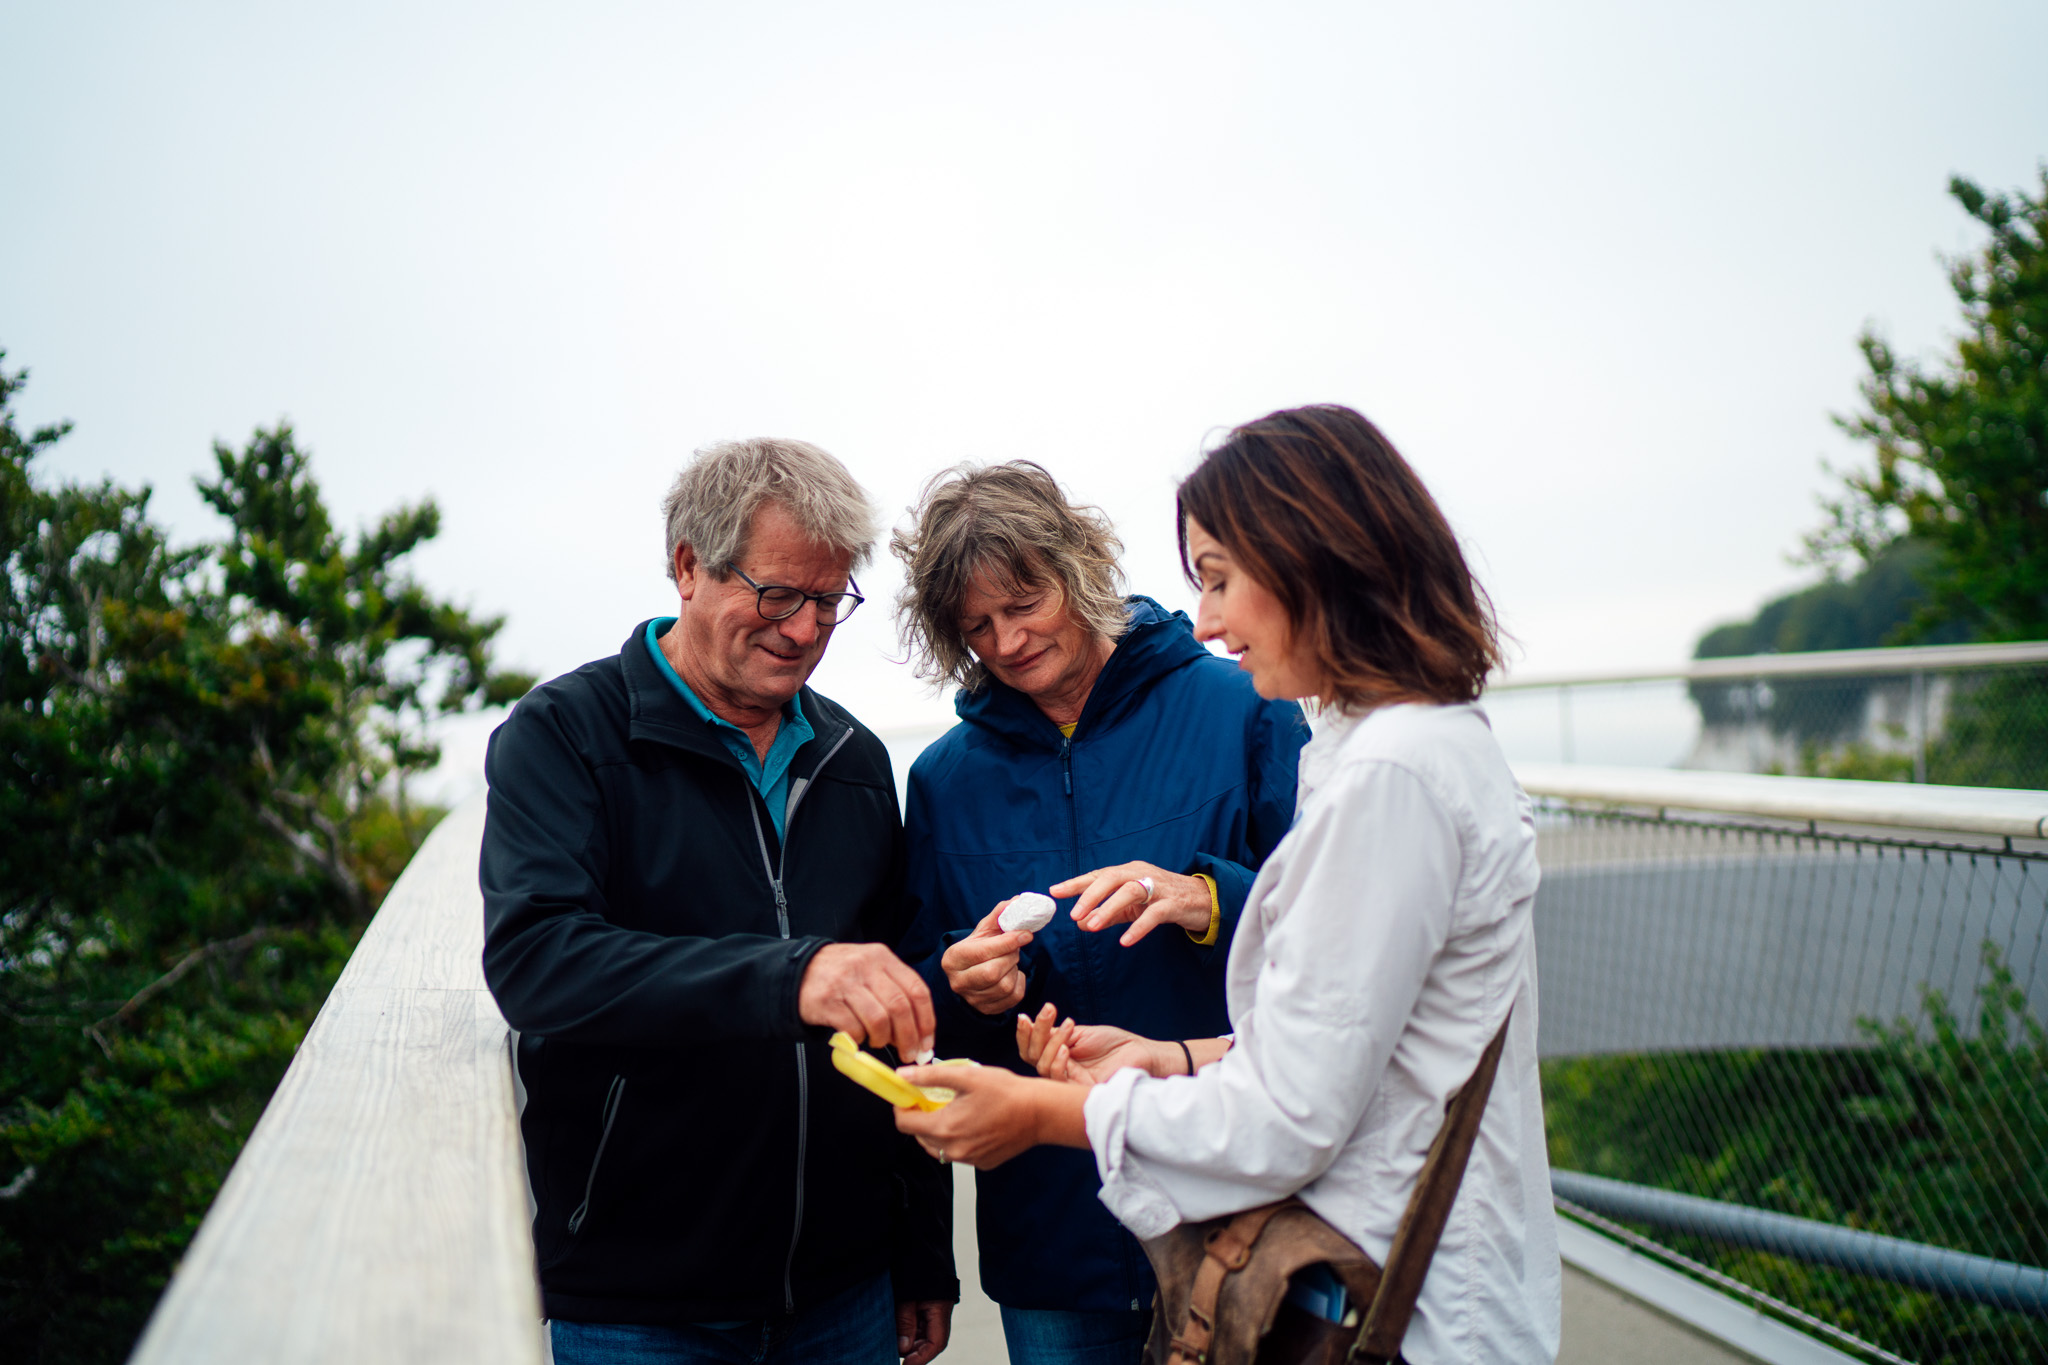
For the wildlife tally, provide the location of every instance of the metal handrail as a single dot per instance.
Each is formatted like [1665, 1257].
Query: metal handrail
[1955, 1274]
[1810, 664]
[2009, 813]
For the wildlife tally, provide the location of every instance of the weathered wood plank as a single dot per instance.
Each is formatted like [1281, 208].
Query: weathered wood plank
[430, 930]
[378, 1211]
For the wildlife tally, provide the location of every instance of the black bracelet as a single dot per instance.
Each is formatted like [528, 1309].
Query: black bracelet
[1190, 1056]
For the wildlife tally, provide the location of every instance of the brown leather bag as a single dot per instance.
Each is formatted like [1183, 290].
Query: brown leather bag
[1223, 1283]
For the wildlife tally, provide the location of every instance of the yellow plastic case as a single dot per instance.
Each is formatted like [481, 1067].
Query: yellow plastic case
[872, 1073]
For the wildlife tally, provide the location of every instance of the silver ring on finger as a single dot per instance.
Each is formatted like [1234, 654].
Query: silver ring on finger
[1146, 882]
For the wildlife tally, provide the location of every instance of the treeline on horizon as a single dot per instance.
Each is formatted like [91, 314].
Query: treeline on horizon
[206, 749]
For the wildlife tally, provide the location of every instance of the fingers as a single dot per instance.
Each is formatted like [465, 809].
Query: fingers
[1119, 902]
[1056, 1057]
[1148, 919]
[906, 1327]
[1042, 1027]
[894, 1006]
[964, 1080]
[876, 1018]
[983, 968]
[978, 948]
[1025, 1040]
[990, 988]
[983, 976]
[1034, 1034]
[867, 990]
[934, 1330]
[1078, 884]
[1062, 1049]
[1093, 887]
[1100, 887]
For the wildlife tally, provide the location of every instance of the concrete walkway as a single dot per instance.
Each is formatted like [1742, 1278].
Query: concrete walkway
[1602, 1326]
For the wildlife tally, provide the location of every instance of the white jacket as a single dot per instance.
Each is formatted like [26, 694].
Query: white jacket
[1378, 953]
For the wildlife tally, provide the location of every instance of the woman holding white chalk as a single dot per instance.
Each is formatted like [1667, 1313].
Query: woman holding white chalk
[1386, 943]
[1102, 755]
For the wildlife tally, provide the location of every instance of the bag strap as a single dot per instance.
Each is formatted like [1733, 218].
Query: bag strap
[1225, 1251]
[1429, 1208]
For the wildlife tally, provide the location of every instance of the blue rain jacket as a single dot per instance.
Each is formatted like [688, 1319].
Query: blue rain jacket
[1176, 761]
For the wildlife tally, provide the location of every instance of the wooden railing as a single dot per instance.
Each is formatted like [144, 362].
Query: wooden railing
[378, 1212]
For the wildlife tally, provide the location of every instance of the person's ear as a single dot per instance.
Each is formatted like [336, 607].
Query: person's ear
[686, 572]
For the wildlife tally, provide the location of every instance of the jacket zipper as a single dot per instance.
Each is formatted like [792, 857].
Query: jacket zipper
[1074, 833]
[774, 869]
[611, 1112]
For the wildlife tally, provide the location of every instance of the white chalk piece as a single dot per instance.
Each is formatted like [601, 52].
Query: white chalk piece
[1028, 911]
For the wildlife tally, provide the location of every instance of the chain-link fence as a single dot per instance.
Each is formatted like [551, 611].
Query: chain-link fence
[1842, 1028]
[1948, 715]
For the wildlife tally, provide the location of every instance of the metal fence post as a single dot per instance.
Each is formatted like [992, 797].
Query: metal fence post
[1919, 725]
[1749, 709]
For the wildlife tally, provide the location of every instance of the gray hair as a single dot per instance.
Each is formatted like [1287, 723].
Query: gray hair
[1014, 523]
[713, 501]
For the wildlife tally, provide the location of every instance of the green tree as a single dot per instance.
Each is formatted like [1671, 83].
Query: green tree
[205, 750]
[1962, 445]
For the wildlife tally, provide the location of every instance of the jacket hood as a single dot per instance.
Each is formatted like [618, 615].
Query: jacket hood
[1157, 643]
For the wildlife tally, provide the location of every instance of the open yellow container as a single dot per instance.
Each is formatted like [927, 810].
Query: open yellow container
[872, 1073]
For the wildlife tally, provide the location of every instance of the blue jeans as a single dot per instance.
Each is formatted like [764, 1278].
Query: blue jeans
[854, 1327]
[1051, 1336]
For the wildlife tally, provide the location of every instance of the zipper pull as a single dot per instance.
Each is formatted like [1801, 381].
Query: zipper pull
[1067, 763]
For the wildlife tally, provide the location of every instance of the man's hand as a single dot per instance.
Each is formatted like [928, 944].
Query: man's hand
[922, 1329]
[866, 990]
[1112, 895]
[982, 968]
[1089, 1054]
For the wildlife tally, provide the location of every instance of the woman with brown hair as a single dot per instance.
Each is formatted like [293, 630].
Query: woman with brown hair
[1386, 941]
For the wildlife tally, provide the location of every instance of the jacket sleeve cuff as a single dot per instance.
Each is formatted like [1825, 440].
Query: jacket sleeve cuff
[1207, 938]
[929, 1286]
[1230, 884]
[1127, 1191]
[801, 951]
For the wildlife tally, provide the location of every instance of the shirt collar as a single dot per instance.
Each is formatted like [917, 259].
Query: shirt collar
[792, 710]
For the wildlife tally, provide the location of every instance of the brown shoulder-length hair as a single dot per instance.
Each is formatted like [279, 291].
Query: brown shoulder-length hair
[1318, 507]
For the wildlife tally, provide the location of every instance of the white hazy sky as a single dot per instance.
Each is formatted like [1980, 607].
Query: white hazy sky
[1597, 269]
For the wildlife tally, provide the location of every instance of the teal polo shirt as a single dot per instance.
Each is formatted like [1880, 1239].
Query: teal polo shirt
[770, 776]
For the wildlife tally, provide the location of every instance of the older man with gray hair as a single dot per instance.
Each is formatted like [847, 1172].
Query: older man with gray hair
[692, 872]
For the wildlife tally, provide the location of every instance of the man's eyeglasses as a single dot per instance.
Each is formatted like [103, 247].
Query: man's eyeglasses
[777, 603]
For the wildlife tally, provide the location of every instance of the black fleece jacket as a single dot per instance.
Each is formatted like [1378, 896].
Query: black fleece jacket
[692, 1152]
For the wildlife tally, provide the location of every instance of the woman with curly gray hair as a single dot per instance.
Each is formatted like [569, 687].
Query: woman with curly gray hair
[1102, 755]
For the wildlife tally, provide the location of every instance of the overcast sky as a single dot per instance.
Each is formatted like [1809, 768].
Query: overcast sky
[1597, 269]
